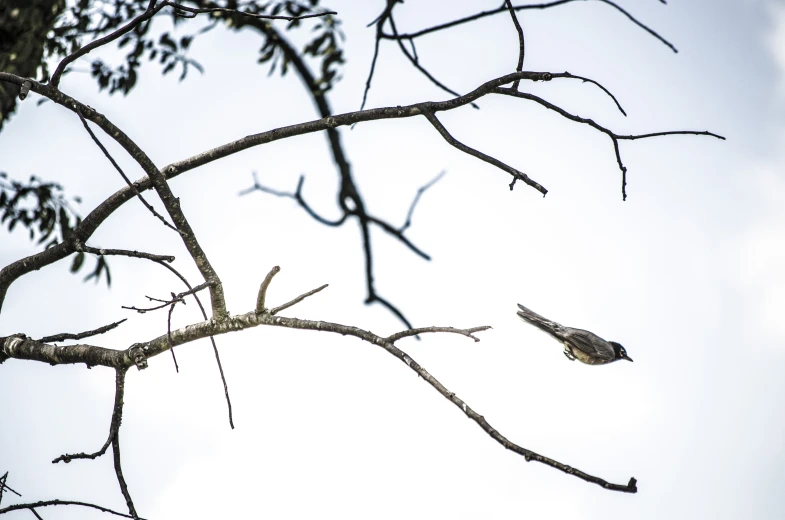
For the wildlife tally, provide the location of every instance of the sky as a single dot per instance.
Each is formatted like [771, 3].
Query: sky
[687, 274]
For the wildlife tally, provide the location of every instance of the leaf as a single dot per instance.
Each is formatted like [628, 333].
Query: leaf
[78, 261]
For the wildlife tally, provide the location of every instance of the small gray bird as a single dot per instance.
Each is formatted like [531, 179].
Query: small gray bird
[579, 344]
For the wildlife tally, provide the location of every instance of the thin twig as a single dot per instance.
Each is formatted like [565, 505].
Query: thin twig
[298, 196]
[422, 189]
[169, 332]
[194, 11]
[521, 42]
[212, 340]
[469, 333]
[379, 22]
[122, 173]
[114, 425]
[416, 62]
[516, 174]
[123, 252]
[117, 418]
[81, 335]
[612, 135]
[164, 303]
[397, 233]
[588, 80]
[503, 8]
[297, 300]
[4, 486]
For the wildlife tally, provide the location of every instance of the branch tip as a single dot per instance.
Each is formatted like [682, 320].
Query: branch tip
[263, 289]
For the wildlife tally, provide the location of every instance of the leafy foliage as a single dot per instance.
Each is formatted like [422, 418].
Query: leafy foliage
[41, 208]
[86, 20]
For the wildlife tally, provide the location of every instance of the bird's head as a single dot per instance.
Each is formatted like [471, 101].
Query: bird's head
[619, 351]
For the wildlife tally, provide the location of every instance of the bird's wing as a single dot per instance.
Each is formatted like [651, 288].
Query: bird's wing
[590, 343]
[551, 327]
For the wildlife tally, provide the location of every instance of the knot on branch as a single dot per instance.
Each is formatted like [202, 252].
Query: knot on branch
[138, 355]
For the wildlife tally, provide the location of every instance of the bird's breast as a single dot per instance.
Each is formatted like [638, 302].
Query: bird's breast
[583, 357]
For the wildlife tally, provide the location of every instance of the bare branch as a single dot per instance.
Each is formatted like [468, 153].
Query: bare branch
[588, 80]
[260, 308]
[4, 486]
[503, 8]
[376, 43]
[422, 189]
[81, 335]
[298, 299]
[46, 503]
[252, 319]
[139, 353]
[329, 123]
[114, 425]
[521, 42]
[122, 173]
[397, 233]
[117, 418]
[469, 333]
[169, 332]
[149, 13]
[165, 303]
[298, 196]
[416, 62]
[212, 339]
[613, 136]
[79, 246]
[194, 11]
[516, 174]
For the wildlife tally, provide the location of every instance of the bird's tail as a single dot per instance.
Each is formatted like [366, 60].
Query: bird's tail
[542, 323]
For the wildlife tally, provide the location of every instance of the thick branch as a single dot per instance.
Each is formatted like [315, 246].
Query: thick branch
[46, 503]
[252, 319]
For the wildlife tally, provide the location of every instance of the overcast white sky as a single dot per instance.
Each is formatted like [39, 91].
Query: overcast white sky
[687, 274]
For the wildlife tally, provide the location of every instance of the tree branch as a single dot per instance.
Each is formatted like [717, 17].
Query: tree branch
[81, 335]
[613, 136]
[139, 353]
[521, 42]
[13, 271]
[503, 8]
[122, 173]
[516, 174]
[46, 503]
[117, 418]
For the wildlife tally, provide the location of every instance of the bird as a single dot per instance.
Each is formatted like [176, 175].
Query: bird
[579, 344]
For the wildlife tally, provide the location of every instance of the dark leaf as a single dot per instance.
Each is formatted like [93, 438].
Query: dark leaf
[78, 261]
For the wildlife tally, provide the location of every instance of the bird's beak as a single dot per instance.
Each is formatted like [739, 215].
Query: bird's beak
[628, 358]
